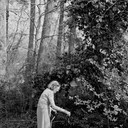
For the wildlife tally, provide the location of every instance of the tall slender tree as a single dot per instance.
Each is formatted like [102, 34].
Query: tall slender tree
[3, 41]
[7, 17]
[30, 59]
[3, 4]
[46, 54]
[39, 16]
[30, 63]
[72, 35]
[60, 29]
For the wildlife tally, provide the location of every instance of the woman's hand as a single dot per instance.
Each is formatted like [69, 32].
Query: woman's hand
[68, 113]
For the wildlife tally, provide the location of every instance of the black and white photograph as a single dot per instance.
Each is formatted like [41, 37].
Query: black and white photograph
[63, 63]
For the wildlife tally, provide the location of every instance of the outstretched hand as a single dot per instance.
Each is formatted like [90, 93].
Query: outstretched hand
[68, 113]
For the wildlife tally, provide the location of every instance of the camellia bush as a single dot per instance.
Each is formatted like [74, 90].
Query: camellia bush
[97, 101]
[98, 66]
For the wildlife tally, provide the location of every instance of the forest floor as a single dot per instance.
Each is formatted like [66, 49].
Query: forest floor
[23, 121]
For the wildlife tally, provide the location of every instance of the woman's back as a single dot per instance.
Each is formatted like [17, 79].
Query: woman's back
[44, 98]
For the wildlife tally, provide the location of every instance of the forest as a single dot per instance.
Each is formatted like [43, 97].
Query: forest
[83, 44]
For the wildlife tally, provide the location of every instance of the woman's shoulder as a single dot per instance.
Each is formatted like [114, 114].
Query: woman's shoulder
[47, 90]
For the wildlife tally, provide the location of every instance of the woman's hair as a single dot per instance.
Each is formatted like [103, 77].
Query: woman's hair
[53, 84]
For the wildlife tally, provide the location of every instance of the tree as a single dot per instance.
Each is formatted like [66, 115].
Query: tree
[30, 63]
[38, 28]
[3, 42]
[7, 16]
[30, 53]
[3, 4]
[47, 49]
[72, 36]
[60, 29]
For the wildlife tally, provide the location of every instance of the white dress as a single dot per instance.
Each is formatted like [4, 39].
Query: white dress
[43, 108]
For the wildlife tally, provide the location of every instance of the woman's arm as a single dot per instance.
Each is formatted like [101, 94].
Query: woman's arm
[51, 99]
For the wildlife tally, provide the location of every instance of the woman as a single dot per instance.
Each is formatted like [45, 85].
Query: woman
[46, 101]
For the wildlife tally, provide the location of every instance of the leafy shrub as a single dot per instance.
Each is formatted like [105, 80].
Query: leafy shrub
[92, 103]
[14, 100]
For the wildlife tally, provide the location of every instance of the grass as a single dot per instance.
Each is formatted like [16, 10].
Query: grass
[18, 121]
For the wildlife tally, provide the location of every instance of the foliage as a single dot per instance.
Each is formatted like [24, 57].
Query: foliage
[22, 121]
[92, 103]
[99, 67]
[102, 23]
[14, 100]
[96, 102]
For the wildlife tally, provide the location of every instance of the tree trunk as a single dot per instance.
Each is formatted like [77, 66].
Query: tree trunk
[30, 63]
[39, 22]
[7, 17]
[30, 59]
[3, 4]
[3, 42]
[47, 49]
[60, 29]
[72, 36]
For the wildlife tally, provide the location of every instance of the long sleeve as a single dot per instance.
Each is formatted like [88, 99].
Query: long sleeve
[51, 99]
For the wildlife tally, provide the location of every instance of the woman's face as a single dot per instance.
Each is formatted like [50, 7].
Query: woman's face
[56, 89]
